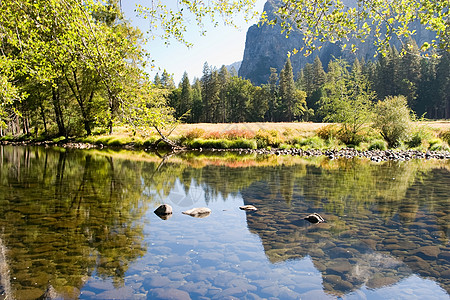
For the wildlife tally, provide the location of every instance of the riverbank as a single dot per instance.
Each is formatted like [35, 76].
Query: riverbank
[344, 153]
[427, 140]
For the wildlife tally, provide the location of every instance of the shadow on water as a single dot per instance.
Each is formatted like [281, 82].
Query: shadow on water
[70, 216]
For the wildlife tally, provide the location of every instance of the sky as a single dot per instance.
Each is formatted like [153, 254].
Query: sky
[221, 45]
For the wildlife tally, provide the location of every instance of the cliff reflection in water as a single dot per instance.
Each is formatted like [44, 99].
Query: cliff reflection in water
[384, 223]
[70, 214]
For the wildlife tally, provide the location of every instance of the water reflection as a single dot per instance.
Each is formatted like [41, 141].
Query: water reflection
[65, 216]
[80, 224]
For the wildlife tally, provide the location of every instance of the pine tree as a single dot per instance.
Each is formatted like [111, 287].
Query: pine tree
[223, 105]
[259, 106]
[287, 91]
[185, 96]
[167, 80]
[197, 104]
[318, 74]
[409, 72]
[157, 80]
[428, 89]
[273, 95]
[240, 95]
[442, 106]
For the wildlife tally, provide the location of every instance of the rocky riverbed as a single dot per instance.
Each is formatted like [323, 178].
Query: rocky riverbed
[373, 155]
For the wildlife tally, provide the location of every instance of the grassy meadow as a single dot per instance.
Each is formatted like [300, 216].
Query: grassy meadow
[423, 136]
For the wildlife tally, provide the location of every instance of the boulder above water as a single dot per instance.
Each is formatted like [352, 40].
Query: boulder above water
[164, 211]
[248, 207]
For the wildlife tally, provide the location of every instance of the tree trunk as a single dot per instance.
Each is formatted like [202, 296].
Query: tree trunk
[44, 119]
[58, 112]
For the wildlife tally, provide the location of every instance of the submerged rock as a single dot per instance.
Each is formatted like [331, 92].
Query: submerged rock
[315, 218]
[198, 212]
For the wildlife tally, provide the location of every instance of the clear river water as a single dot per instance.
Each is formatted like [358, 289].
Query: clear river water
[79, 224]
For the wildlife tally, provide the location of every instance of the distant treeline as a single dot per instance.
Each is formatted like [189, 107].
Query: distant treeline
[220, 96]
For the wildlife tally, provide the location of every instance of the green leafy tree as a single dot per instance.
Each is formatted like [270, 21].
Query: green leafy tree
[393, 119]
[348, 99]
[334, 21]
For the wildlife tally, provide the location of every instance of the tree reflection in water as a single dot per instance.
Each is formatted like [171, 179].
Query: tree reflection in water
[70, 215]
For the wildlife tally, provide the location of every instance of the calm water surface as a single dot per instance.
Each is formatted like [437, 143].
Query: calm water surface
[80, 224]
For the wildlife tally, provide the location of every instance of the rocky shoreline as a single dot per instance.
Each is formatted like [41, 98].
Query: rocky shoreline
[348, 153]
[373, 155]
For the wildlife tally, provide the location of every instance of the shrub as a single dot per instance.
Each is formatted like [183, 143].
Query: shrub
[7, 138]
[438, 145]
[268, 138]
[285, 147]
[418, 137]
[328, 132]
[314, 142]
[393, 119]
[195, 133]
[378, 145]
[243, 144]
[238, 134]
[150, 141]
[208, 143]
[445, 136]
[58, 139]
[212, 135]
[118, 141]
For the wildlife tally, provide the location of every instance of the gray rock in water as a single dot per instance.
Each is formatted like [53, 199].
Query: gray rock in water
[248, 207]
[198, 212]
[163, 210]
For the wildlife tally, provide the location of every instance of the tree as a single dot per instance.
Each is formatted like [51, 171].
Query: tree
[240, 95]
[223, 105]
[83, 52]
[168, 21]
[197, 105]
[409, 70]
[334, 21]
[348, 99]
[167, 80]
[442, 106]
[259, 106]
[287, 93]
[185, 96]
[393, 119]
[273, 95]
[427, 91]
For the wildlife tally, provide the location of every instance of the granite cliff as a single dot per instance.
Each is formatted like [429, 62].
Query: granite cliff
[266, 47]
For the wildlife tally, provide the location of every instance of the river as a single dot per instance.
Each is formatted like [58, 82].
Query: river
[79, 224]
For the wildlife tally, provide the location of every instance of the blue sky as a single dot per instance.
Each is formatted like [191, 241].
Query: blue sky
[221, 45]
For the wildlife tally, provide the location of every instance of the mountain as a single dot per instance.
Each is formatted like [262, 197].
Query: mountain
[266, 47]
[234, 67]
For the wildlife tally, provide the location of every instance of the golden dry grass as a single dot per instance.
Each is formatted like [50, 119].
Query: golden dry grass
[304, 128]
[301, 128]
